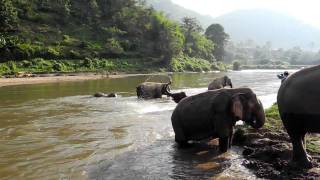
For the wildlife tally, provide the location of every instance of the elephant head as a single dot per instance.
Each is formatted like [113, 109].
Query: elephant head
[166, 89]
[247, 107]
[227, 81]
[177, 97]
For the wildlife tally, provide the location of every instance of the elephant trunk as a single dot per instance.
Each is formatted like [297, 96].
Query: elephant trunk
[259, 118]
[166, 89]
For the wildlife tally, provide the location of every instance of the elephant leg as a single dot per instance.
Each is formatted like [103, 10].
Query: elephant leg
[299, 153]
[223, 144]
[180, 137]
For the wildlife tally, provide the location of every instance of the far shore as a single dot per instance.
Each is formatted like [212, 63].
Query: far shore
[68, 77]
[53, 78]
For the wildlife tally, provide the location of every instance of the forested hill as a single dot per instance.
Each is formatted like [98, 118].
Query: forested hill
[99, 29]
[259, 25]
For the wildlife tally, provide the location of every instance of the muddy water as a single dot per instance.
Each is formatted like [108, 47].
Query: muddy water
[51, 131]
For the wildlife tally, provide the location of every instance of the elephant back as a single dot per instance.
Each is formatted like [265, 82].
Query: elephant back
[216, 84]
[299, 93]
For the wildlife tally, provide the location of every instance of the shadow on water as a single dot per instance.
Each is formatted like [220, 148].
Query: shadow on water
[165, 160]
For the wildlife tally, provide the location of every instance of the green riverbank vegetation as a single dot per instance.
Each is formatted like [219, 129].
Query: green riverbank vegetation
[42, 36]
[274, 124]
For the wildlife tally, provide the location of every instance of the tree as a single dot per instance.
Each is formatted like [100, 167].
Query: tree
[8, 15]
[236, 66]
[216, 34]
[196, 44]
[166, 37]
[190, 27]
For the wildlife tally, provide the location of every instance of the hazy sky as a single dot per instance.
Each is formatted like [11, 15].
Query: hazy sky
[305, 10]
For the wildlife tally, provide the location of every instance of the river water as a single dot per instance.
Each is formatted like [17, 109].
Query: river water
[59, 131]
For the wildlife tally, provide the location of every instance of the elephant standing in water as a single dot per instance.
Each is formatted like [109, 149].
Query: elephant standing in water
[150, 90]
[219, 83]
[214, 114]
[299, 108]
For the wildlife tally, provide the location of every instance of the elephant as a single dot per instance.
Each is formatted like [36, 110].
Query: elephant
[177, 97]
[150, 90]
[100, 94]
[219, 83]
[213, 114]
[299, 107]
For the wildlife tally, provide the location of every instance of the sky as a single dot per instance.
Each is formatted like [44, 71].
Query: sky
[307, 11]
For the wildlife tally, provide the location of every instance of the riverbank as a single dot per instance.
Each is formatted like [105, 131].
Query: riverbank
[268, 151]
[268, 66]
[54, 78]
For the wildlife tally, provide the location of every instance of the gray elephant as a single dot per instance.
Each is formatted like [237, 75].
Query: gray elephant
[177, 97]
[150, 90]
[214, 114]
[100, 94]
[299, 108]
[219, 83]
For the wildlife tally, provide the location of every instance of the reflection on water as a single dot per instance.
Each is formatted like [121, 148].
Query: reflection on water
[164, 160]
[59, 131]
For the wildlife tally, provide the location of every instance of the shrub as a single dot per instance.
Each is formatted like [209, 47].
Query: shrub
[4, 69]
[88, 63]
[12, 67]
[113, 46]
[69, 41]
[59, 67]
[75, 54]
[236, 66]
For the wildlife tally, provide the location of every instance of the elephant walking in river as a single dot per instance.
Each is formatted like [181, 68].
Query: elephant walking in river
[214, 114]
[299, 108]
[219, 83]
[150, 90]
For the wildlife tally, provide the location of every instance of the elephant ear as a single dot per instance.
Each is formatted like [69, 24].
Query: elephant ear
[237, 107]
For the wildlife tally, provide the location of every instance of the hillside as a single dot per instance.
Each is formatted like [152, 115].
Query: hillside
[97, 34]
[259, 25]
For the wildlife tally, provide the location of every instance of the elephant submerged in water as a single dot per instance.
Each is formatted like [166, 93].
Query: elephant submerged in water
[299, 108]
[219, 83]
[100, 94]
[214, 114]
[150, 90]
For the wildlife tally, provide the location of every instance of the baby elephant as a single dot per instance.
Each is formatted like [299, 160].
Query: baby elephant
[100, 94]
[177, 97]
[219, 83]
[213, 114]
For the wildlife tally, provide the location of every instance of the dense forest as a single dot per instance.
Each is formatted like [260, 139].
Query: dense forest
[84, 35]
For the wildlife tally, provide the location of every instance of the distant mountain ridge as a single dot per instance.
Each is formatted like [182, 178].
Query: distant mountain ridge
[259, 25]
[263, 25]
[177, 12]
